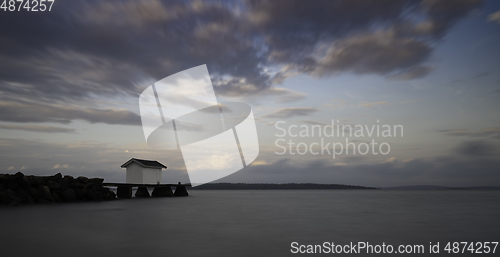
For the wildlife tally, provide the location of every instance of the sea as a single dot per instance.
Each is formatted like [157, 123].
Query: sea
[258, 223]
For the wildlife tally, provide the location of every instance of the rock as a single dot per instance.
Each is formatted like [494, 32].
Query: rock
[68, 195]
[18, 188]
[97, 181]
[34, 193]
[56, 177]
[90, 195]
[53, 185]
[4, 181]
[18, 176]
[98, 196]
[10, 199]
[45, 194]
[80, 194]
[162, 191]
[17, 181]
[63, 186]
[40, 181]
[24, 196]
[32, 181]
[142, 192]
[76, 184]
[83, 180]
[56, 197]
[23, 183]
[42, 201]
[66, 182]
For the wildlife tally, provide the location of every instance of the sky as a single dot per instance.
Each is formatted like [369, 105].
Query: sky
[70, 81]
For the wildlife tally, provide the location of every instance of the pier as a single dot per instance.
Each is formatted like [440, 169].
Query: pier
[124, 190]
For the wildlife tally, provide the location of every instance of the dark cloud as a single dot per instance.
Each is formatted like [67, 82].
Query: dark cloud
[380, 53]
[37, 128]
[291, 112]
[21, 111]
[493, 132]
[413, 73]
[475, 148]
[442, 15]
[482, 74]
[98, 49]
[89, 49]
[381, 37]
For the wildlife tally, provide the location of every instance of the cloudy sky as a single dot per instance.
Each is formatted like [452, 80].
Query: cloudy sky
[70, 81]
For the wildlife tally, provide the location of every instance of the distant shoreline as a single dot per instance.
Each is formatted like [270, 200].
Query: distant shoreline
[306, 186]
[264, 186]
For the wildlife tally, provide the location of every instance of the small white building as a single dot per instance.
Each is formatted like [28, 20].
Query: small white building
[143, 171]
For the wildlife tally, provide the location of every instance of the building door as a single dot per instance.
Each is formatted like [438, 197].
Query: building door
[158, 177]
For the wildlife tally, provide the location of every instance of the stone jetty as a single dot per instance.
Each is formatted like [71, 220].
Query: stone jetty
[20, 189]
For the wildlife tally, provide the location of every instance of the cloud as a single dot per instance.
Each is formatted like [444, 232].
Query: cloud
[284, 95]
[113, 49]
[381, 52]
[495, 17]
[379, 37]
[275, 94]
[482, 74]
[312, 122]
[120, 47]
[85, 158]
[410, 102]
[336, 104]
[61, 166]
[21, 111]
[413, 73]
[37, 128]
[291, 112]
[259, 162]
[475, 148]
[446, 171]
[493, 132]
[94, 159]
[367, 104]
[390, 160]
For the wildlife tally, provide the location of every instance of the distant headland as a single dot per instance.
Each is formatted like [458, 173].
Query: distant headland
[293, 186]
[264, 186]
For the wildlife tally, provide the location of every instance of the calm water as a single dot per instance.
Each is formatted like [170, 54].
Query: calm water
[249, 223]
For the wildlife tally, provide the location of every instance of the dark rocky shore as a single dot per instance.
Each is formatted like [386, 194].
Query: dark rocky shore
[20, 189]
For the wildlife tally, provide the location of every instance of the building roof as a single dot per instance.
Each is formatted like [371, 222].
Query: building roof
[145, 163]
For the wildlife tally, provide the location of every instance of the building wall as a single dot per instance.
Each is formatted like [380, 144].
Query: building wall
[151, 176]
[134, 173]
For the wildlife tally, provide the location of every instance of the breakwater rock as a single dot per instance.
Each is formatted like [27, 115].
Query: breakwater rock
[20, 189]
